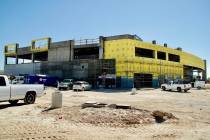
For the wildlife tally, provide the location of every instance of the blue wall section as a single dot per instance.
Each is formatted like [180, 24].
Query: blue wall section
[155, 83]
[127, 82]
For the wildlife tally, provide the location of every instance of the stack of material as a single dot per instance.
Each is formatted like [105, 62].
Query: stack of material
[93, 104]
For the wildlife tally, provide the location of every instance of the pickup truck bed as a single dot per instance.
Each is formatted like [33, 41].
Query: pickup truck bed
[13, 93]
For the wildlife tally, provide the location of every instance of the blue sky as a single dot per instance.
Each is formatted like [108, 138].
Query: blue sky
[180, 23]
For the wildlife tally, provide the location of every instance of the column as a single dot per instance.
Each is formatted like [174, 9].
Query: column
[72, 50]
[166, 56]
[204, 72]
[155, 54]
[16, 59]
[32, 57]
[101, 47]
[5, 60]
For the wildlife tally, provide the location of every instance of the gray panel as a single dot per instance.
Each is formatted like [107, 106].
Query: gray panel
[58, 54]
[80, 71]
[16, 69]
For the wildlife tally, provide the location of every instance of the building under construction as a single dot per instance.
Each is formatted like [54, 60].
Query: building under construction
[123, 61]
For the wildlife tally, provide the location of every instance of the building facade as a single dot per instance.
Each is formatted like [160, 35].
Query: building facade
[124, 61]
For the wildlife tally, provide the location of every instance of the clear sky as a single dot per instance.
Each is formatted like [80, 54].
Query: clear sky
[180, 23]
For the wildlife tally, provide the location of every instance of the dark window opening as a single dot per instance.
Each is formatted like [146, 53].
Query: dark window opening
[144, 52]
[2, 81]
[173, 57]
[142, 80]
[86, 53]
[161, 55]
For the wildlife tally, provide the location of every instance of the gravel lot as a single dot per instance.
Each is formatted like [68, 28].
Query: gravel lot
[35, 121]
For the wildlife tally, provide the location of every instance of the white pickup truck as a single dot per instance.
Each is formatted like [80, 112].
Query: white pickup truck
[176, 86]
[14, 93]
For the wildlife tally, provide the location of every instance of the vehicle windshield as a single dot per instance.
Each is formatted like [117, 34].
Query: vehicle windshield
[77, 83]
[66, 80]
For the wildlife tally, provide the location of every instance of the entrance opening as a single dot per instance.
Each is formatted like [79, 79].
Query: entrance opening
[142, 80]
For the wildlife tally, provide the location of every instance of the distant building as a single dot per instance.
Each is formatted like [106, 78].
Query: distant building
[115, 61]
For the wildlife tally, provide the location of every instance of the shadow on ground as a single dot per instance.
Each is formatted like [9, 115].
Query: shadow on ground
[3, 106]
[111, 90]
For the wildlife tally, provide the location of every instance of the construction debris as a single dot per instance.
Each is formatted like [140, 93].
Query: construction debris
[93, 104]
[162, 116]
[119, 106]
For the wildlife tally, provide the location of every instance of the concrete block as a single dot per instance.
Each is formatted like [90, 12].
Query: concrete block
[56, 99]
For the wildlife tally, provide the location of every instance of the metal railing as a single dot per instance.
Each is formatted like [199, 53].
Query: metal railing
[87, 41]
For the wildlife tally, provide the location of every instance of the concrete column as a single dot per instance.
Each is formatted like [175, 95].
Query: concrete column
[101, 47]
[5, 60]
[49, 42]
[72, 50]
[204, 73]
[16, 60]
[155, 54]
[167, 56]
[32, 57]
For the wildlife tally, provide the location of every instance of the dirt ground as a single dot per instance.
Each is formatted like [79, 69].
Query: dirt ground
[28, 122]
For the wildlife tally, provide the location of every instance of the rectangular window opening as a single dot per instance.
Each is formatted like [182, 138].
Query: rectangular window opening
[161, 55]
[140, 52]
[173, 57]
[86, 53]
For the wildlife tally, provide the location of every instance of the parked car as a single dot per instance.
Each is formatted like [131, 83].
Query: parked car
[81, 85]
[199, 84]
[66, 84]
[176, 86]
[14, 93]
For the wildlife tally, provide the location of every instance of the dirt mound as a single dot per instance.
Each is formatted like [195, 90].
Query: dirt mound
[107, 116]
[102, 116]
[115, 117]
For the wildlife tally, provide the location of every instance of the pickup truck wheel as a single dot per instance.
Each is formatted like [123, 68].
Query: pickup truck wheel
[179, 89]
[30, 98]
[164, 88]
[13, 102]
[185, 90]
